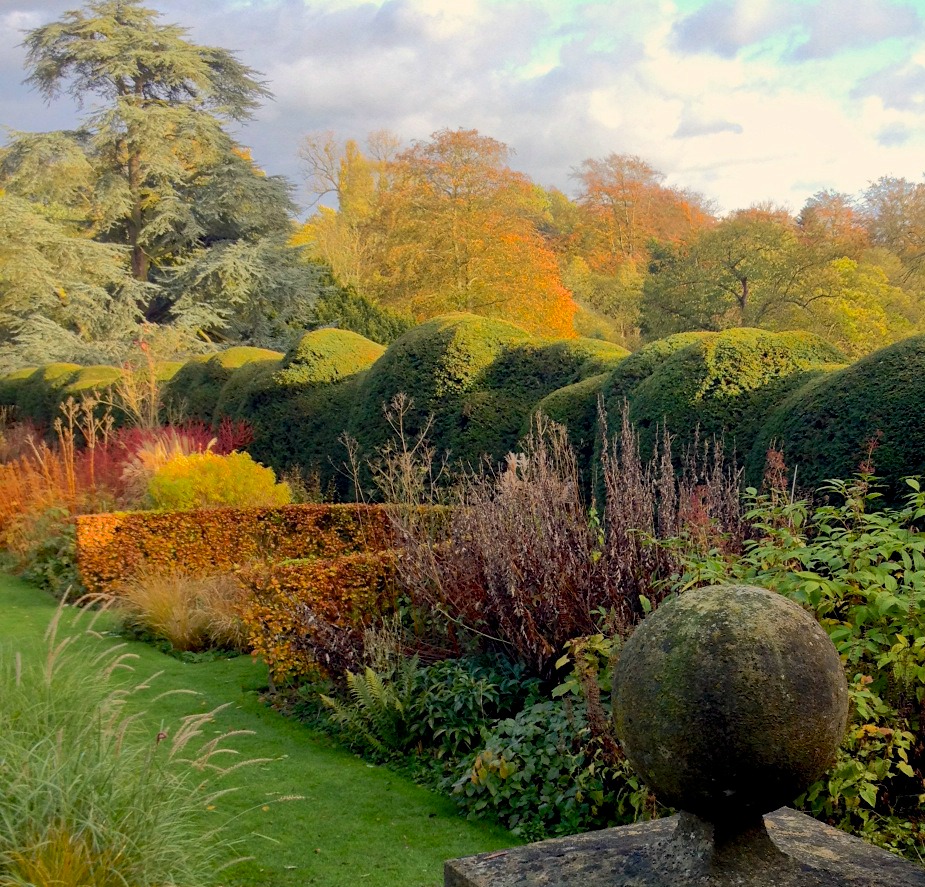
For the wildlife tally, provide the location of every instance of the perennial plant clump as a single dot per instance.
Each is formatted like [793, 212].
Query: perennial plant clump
[93, 796]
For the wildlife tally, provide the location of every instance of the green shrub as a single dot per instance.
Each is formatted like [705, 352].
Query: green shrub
[195, 388]
[576, 407]
[542, 772]
[726, 384]
[299, 407]
[479, 379]
[346, 309]
[234, 397]
[38, 395]
[828, 427]
[326, 356]
[207, 480]
[92, 380]
[640, 365]
[89, 798]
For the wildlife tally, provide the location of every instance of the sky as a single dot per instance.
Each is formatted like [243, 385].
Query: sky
[744, 101]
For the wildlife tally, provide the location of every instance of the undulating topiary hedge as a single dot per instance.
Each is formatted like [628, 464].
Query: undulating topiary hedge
[300, 406]
[37, 395]
[194, 390]
[111, 547]
[576, 407]
[724, 384]
[478, 378]
[827, 427]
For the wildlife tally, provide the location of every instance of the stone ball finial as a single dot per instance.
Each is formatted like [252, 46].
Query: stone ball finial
[730, 701]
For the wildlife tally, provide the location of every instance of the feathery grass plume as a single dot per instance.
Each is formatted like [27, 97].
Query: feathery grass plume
[193, 613]
[93, 794]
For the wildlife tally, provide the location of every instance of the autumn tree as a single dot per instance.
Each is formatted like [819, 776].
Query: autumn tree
[203, 231]
[759, 268]
[626, 205]
[445, 225]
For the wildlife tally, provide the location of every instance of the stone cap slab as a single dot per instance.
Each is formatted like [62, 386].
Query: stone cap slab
[645, 855]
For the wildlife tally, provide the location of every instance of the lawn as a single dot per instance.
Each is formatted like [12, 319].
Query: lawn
[352, 824]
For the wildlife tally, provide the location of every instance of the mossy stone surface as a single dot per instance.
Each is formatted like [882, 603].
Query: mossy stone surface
[729, 701]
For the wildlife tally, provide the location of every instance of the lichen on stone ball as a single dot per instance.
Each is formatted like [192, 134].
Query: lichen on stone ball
[730, 700]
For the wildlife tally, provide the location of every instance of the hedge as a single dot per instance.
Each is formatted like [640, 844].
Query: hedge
[827, 427]
[479, 379]
[38, 394]
[307, 616]
[576, 406]
[725, 384]
[194, 390]
[111, 547]
[300, 408]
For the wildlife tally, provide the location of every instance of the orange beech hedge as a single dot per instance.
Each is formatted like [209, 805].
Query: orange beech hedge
[307, 617]
[111, 547]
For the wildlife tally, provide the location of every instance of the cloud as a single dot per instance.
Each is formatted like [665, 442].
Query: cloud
[833, 25]
[901, 87]
[724, 27]
[893, 135]
[692, 125]
[743, 99]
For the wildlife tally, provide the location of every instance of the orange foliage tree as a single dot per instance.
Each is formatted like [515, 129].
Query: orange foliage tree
[625, 205]
[444, 225]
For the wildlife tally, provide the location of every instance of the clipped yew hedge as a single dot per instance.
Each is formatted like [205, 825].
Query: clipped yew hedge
[194, 390]
[300, 406]
[828, 427]
[111, 547]
[725, 384]
[478, 378]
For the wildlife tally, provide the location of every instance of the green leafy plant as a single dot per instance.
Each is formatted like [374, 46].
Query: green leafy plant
[859, 567]
[207, 480]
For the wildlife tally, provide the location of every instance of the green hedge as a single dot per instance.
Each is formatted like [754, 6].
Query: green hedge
[575, 407]
[37, 394]
[826, 427]
[300, 406]
[479, 378]
[724, 384]
[193, 391]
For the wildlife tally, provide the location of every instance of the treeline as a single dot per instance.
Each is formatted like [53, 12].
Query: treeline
[447, 224]
[150, 221]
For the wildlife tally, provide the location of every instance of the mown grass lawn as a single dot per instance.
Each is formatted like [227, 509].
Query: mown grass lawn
[354, 824]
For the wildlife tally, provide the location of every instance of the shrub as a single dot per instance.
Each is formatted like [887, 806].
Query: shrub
[92, 380]
[300, 409]
[543, 772]
[576, 407]
[308, 616]
[346, 309]
[859, 569]
[724, 385]
[110, 547]
[522, 562]
[191, 613]
[829, 427]
[39, 395]
[478, 378]
[90, 797]
[207, 480]
[194, 389]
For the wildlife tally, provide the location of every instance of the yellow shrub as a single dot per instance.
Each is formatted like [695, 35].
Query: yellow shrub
[207, 480]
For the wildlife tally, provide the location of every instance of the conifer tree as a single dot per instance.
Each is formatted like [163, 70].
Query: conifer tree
[153, 173]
